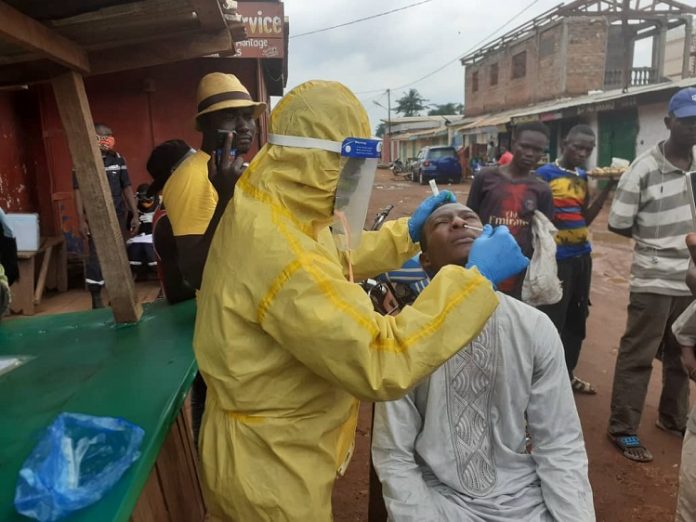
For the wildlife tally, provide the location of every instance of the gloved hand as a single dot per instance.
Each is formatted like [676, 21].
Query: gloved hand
[419, 217]
[497, 255]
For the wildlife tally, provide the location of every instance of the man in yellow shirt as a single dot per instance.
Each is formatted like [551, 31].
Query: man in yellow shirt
[194, 205]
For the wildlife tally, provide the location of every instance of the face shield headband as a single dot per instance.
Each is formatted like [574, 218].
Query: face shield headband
[359, 158]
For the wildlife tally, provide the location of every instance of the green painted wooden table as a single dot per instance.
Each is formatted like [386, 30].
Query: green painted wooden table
[84, 363]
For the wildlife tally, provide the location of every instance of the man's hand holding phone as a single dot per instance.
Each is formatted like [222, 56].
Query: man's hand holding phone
[224, 166]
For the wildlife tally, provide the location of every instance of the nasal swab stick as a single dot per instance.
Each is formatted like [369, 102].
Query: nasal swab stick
[433, 187]
[436, 191]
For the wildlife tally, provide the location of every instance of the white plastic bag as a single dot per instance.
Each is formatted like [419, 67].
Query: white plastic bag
[541, 285]
[684, 328]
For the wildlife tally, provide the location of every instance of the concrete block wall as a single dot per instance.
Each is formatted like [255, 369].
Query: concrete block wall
[565, 58]
[586, 47]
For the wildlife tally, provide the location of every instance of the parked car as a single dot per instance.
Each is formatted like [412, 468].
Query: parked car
[438, 163]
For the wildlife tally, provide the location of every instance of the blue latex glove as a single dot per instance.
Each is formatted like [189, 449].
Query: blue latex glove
[497, 255]
[419, 217]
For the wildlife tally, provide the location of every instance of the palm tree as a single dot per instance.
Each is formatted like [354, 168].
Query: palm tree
[446, 109]
[411, 103]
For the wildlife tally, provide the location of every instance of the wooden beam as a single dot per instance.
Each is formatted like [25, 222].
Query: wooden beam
[209, 14]
[688, 38]
[167, 50]
[29, 72]
[26, 32]
[69, 89]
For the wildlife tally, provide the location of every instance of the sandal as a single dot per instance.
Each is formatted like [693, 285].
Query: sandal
[671, 431]
[581, 386]
[631, 447]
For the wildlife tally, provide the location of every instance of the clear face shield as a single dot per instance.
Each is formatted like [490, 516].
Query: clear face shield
[359, 158]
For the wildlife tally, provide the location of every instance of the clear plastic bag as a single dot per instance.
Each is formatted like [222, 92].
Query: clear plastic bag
[78, 459]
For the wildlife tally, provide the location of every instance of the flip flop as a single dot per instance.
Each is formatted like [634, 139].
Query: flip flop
[631, 448]
[581, 386]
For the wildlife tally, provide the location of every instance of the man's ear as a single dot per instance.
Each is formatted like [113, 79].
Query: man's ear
[564, 144]
[668, 122]
[424, 260]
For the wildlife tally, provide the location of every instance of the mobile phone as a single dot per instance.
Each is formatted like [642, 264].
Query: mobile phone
[220, 145]
[691, 191]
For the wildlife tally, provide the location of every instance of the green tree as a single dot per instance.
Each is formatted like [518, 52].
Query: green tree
[381, 129]
[445, 109]
[411, 103]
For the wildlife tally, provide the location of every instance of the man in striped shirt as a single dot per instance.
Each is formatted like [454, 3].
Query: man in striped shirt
[572, 215]
[651, 206]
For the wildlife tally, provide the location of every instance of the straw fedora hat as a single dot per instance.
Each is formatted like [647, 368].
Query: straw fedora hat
[217, 91]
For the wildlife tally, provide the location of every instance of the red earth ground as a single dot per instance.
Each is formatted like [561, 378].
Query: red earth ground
[623, 490]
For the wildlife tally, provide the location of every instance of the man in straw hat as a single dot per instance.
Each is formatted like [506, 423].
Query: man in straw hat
[196, 194]
[194, 204]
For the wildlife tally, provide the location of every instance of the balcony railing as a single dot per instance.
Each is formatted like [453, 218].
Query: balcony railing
[613, 78]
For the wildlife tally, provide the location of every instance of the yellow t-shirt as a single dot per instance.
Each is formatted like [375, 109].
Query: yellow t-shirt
[189, 197]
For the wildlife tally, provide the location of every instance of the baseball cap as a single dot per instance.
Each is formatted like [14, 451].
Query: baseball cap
[683, 103]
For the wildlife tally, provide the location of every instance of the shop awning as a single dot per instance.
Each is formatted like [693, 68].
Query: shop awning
[594, 102]
[42, 38]
[62, 41]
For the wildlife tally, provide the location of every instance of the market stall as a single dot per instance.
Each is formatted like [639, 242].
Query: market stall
[85, 363]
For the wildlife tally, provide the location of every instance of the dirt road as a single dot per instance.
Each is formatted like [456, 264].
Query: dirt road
[623, 491]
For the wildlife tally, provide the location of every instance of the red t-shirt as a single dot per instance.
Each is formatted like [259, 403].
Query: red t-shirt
[505, 158]
[499, 200]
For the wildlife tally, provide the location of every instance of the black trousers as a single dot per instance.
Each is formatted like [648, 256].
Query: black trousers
[569, 315]
[93, 273]
[199, 391]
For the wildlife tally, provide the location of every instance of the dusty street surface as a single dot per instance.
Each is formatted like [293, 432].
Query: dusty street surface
[623, 490]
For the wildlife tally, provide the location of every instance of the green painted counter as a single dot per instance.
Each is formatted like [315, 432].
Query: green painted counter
[84, 363]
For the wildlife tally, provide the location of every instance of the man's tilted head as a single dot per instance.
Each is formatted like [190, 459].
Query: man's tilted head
[446, 238]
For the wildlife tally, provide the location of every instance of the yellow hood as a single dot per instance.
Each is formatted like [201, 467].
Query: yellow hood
[303, 181]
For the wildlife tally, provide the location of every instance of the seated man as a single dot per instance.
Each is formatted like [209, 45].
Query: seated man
[684, 329]
[456, 447]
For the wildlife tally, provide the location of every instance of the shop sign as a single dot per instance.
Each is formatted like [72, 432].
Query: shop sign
[551, 116]
[265, 26]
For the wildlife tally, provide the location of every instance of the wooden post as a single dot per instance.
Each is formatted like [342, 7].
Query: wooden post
[659, 49]
[69, 89]
[688, 38]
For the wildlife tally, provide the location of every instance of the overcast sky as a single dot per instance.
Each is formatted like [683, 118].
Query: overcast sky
[396, 49]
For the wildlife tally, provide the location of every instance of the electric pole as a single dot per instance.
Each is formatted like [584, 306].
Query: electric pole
[389, 123]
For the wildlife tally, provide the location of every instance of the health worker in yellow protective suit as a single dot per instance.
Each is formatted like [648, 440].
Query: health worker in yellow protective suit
[286, 343]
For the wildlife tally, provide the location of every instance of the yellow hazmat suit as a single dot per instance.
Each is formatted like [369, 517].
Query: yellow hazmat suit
[286, 344]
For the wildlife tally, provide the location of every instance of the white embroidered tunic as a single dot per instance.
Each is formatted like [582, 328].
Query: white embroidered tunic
[455, 447]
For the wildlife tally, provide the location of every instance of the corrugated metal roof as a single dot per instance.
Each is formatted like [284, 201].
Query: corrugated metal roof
[501, 118]
[488, 120]
[428, 133]
[600, 97]
[409, 119]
